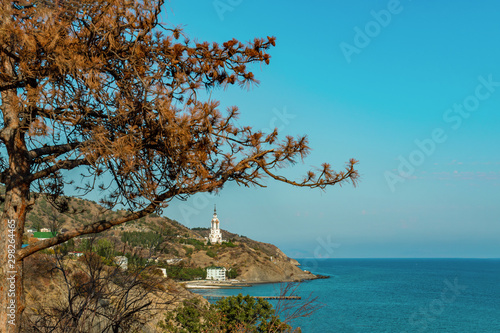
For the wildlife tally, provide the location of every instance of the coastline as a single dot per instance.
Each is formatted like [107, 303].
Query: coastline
[237, 284]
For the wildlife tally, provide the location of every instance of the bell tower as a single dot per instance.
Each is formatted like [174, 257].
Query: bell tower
[215, 236]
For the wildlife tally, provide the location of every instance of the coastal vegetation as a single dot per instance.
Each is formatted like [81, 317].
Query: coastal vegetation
[183, 273]
[229, 314]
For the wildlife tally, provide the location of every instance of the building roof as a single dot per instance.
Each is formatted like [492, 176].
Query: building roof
[41, 235]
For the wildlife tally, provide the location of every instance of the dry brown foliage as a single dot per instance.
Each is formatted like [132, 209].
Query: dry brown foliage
[102, 87]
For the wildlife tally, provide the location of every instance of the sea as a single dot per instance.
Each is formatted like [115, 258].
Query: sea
[393, 295]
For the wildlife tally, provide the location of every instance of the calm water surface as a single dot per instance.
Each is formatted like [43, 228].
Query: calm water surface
[397, 295]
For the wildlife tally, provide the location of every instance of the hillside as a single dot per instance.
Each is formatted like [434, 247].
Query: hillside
[86, 293]
[255, 261]
[169, 243]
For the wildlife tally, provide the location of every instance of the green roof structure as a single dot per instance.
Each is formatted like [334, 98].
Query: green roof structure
[43, 235]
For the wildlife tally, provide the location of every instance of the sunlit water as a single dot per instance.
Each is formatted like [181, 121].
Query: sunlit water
[397, 295]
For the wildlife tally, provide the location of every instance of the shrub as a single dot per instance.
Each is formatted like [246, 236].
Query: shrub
[232, 273]
[211, 253]
[230, 314]
[228, 244]
[189, 250]
[141, 238]
[179, 272]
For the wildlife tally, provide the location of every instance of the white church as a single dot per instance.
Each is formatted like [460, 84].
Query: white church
[215, 236]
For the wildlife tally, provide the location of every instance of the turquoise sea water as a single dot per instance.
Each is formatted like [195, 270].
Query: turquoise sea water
[397, 295]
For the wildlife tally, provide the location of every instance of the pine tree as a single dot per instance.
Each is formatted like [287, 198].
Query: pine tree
[100, 86]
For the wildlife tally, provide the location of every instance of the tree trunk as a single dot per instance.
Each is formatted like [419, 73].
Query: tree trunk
[11, 270]
[14, 214]
[11, 237]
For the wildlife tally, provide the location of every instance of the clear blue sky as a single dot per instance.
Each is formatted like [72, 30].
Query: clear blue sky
[368, 80]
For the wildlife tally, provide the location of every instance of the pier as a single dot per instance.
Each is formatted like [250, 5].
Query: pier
[215, 297]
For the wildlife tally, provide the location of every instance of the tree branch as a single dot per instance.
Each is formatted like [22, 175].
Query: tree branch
[58, 150]
[322, 181]
[67, 164]
[93, 228]
[14, 85]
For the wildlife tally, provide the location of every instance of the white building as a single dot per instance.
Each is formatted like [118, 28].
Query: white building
[215, 236]
[173, 261]
[216, 273]
[122, 261]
